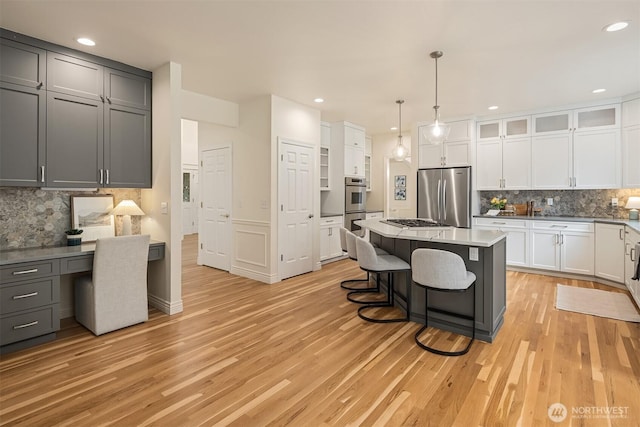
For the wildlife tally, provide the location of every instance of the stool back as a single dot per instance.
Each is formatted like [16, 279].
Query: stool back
[440, 269]
[343, 239]
[351, 244]
[367, 257]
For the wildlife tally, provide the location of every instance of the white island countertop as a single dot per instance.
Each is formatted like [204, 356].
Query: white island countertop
[452, 235]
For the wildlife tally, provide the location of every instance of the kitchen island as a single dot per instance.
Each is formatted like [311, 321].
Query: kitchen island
[484, 254]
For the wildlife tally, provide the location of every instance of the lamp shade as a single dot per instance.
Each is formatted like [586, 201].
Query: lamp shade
[633, 203]
[127, 207]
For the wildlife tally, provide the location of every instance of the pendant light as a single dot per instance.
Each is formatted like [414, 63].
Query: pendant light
[399, 151]
[437, 132]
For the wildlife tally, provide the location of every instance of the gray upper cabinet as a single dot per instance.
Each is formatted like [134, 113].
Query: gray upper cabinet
[71, 120]
[74, 142]
[22, 135]
[66, 74]
[22, 64]
[126, 89]
[127, 147]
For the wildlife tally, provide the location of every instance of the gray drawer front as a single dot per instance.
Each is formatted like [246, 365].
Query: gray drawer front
[76, 264]
[29, 294]
[156, 252]
[29, 270]
[30, 324]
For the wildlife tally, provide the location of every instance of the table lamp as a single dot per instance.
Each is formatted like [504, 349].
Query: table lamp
[634, 204]
[127, 208]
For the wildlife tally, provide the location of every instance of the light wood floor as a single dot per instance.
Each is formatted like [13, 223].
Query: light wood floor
[295, 353]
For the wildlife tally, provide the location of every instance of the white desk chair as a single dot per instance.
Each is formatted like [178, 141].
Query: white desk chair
[115, 296]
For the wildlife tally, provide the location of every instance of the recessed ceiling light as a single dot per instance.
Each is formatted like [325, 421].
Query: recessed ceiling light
[85, 41]
[493, 107]
[598, 90]
[616, 26]
[393, 128]
[318, 100]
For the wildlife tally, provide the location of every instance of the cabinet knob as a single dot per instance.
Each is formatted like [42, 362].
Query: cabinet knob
[39, 85]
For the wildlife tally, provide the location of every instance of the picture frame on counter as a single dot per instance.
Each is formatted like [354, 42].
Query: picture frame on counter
[93, 215]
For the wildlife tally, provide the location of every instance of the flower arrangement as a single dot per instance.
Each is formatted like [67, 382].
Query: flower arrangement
[497, 203]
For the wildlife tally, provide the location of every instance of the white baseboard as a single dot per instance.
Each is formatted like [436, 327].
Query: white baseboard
[164, 306]
[255, 275]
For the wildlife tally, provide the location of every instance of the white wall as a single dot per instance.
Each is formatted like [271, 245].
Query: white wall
[165, 287]
[204, 108]
[189, 139]
[382, 183]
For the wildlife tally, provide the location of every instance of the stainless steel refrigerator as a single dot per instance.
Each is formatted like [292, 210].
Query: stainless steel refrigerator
[444, 195]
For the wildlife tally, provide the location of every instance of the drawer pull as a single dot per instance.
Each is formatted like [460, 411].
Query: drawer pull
[498, 222]
[32, 294]
[559, 226]
[25, 325]
[17, 273]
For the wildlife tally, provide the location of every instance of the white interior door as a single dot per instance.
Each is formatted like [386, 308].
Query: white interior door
[295, 219]
[215, 235]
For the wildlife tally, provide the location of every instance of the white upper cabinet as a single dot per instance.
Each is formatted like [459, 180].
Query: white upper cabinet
[513, 127]
[631, 143]
[354, 147]
[577, 149]
[503, 154]
[455, 151]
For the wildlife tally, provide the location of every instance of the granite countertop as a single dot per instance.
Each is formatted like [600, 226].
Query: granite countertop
[12, 256]
[326, 214]
[452, 235]
[633, 224]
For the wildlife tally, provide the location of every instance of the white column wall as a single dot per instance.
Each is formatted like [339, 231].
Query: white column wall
[165, 285]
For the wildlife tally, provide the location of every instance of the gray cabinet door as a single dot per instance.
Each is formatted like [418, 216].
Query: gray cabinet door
[126, 89]
[66, 74]
[22, 64]
[74, 142]
[127, 147]
[22, 135]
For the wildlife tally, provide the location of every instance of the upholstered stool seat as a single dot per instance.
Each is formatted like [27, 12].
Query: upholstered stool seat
[442, 271]
[348, 243]
[370, 261]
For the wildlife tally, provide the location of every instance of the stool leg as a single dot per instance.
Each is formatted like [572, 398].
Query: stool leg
[441, 352]
[365, 291]
[349, 288]
[388, 303]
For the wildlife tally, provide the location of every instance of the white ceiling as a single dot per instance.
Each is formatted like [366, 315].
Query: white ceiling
[362, 55]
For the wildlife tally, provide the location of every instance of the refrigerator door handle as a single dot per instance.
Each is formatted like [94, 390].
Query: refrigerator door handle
[439, 203]
[444, 200]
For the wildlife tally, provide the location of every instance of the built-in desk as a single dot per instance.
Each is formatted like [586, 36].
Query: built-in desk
[30, 290]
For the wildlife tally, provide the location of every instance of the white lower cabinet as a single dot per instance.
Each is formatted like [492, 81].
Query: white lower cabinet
[370, 215]
[330, 237]
[610, 248]
[562, 246]
[517, 231]
[632, 238]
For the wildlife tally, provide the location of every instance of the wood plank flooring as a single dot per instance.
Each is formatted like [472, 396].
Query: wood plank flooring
[294, 353]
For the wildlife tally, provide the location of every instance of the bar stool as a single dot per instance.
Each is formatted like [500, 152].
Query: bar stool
[370, 261]
[442, 271]
[348, 244]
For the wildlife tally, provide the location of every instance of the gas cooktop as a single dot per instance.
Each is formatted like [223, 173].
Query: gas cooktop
[414, 222]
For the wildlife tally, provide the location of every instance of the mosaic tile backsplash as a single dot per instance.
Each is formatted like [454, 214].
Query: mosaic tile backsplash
[31, 217]
[580, 203]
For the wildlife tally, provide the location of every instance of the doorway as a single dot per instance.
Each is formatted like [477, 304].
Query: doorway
[189, 201]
